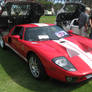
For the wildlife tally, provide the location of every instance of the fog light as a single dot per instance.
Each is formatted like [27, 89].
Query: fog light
[71, 79]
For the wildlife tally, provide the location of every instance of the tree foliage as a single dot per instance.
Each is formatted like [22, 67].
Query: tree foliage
[57, 6]
[87, 2]
[47, 4]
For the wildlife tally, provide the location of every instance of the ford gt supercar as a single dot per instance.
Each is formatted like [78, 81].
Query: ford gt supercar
[49, 50]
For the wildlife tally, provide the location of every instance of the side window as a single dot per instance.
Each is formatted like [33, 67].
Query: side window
[76, 23]
[4, 13]
[18, 31]
[70, 8]
[26, 35]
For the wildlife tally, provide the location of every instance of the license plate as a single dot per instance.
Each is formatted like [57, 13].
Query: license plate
[89, 76]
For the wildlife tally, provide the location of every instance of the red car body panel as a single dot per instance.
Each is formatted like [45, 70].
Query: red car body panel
[47, 50]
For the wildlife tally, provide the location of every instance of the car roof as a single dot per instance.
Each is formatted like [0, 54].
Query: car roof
[36, 25]
[20, 2]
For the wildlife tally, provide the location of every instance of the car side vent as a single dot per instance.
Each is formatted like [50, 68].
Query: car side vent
[62, 42]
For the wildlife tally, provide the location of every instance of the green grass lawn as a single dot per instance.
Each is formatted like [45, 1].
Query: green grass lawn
[48, 19]
[15, 75]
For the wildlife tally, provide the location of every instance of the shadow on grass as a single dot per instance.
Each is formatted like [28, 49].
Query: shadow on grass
[19, 73]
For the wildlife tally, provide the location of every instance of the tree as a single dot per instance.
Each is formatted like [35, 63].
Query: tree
[87, 2]
[47, 4]
[57, 7]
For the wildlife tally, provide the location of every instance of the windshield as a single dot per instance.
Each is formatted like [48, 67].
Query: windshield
[45, 33]
[69, 8]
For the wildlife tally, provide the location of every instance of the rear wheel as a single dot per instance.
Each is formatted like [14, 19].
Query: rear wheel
[36, 67]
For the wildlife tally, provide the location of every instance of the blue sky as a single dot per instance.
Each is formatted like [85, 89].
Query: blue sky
[59, 1]
[65, 0]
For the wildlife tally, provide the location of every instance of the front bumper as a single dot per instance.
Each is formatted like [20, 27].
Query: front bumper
[77, 79]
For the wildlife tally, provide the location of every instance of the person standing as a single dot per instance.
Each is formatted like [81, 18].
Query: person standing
[90, 22]
[83, 22]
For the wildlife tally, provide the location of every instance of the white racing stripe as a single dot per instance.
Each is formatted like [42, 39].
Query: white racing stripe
[41, 24]
[86, 57]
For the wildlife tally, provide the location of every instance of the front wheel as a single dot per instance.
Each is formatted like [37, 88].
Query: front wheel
[2, 45]
[36, 67]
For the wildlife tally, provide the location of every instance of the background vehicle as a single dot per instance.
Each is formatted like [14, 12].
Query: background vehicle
[19, 12]
[69, 14]
[48, 13]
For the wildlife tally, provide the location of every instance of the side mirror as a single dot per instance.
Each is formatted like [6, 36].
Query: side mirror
[70, 31]
[16, 36]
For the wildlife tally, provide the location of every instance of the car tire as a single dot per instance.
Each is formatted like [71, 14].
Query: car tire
[36, 67]
[2, 44]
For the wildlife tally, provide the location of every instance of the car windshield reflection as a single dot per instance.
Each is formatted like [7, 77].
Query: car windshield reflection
[45, 33]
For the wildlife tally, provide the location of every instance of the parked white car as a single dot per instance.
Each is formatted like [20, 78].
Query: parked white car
[68, 16]
[48, 13]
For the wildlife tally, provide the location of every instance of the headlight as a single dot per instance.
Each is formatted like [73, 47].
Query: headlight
[64, 63]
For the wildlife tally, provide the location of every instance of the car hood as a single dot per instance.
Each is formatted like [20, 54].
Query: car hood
[74, 49]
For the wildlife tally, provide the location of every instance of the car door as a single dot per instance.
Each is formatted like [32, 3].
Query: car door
[4, 18]
[15, 37]
[19, 31]
[75, 26]
[69, 12]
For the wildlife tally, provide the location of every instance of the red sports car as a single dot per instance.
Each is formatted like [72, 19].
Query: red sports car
[51, 51]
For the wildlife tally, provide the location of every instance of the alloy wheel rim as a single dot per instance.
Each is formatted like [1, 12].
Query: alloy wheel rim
[34, 67]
